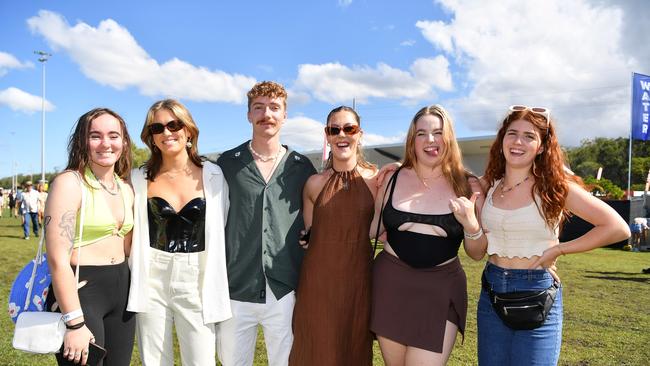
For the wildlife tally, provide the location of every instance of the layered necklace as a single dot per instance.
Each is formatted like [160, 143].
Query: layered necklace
[505, 190]
[171, 175]
[116, 186]
[263, 158]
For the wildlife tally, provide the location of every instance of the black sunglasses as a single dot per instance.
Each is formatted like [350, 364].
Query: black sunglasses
[172, 126]
[348, 130]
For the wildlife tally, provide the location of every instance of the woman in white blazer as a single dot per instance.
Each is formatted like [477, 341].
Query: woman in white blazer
[178, 259]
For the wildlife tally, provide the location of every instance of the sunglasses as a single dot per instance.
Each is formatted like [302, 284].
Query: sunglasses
[172, 126]
[539, 110]
[348, 130]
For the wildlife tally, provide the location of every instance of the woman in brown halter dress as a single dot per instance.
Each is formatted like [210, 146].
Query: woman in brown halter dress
[332, 312]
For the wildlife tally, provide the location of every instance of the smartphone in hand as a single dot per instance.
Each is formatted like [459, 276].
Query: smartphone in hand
[95, 354]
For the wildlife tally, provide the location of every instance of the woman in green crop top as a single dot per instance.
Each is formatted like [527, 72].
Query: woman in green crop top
[95, 311]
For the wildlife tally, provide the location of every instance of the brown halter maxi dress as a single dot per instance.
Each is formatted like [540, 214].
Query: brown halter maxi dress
[332, 312]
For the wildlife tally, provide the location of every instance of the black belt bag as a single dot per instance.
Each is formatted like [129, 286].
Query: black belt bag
[522, 310]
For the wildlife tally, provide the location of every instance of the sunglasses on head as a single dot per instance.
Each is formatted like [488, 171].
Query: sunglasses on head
[172, 126]
[348, 130]
[539, 110]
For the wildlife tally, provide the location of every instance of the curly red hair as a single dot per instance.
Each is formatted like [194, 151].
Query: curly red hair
[551, 179]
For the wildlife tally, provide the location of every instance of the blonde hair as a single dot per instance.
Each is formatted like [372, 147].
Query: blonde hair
[451, 161]
[152, 166]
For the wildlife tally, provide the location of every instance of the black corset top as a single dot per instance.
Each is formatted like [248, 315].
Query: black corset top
[177, 232]
[416, 249]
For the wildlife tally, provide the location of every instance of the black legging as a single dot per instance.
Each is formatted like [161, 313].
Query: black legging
[103, 301]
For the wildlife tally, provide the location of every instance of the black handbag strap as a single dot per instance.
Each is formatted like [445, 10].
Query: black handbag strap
[487, 287]
[381, 212]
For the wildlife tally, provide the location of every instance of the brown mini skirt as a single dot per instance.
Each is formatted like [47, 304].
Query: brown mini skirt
[411, 306]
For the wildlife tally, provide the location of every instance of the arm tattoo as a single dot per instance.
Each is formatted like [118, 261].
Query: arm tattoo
[67, 225]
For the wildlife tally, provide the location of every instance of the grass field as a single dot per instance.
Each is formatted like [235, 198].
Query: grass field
[606, 302]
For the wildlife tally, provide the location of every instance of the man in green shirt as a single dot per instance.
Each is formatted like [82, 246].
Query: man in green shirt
[265, 181]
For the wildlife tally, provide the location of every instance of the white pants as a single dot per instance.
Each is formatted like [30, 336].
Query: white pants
[174, 301]
[236, 337]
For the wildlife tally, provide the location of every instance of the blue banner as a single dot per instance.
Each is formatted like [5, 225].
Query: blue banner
[640, 106]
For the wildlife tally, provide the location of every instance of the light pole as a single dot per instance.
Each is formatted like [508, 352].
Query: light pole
[43, 57]
[14, 180]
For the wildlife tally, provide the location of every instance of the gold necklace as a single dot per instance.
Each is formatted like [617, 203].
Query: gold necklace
[263, 158]
[423, 180]
[187, 170]
[275, 165]
[506, 190]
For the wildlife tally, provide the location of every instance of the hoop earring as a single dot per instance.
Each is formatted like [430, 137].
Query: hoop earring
[188, 144]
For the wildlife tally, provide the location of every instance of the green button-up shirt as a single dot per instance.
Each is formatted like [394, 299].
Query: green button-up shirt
[264, 223]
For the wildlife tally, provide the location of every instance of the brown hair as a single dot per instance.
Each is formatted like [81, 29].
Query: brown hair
[152, 166]
[79, 153]
[269, 89]
[451, 161]
[551, 180]
[361, 160]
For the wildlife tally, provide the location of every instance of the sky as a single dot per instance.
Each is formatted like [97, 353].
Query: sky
[389, 58]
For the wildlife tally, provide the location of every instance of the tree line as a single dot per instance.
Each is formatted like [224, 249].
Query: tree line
[139, 155]
[612, 155]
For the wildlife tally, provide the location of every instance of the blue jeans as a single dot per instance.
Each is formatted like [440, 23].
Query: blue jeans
[500, 345]
[34, 217]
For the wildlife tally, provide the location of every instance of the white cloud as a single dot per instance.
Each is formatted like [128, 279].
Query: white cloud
[344, 3]
[111, 56]
[407, 43]
[305, 134]
[371, 139]
[19, 100]
[566, 55]
[335, 83]
[9, 61]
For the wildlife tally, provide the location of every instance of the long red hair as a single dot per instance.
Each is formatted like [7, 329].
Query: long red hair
[551, 180]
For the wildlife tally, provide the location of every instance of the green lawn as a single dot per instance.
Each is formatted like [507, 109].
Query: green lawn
[606, 302]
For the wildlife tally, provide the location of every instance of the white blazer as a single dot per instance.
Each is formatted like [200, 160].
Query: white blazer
[215, 297]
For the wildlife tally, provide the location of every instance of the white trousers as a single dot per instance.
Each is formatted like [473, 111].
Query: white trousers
[174, 300]
[236, 337]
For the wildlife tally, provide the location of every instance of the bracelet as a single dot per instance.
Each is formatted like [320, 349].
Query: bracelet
[75, 326]
[560, 249]
[474, 236]
[73, 315]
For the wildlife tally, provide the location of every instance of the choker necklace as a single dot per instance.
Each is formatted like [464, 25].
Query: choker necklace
[506, 190]
[263, 158]
[423, 180]
[106, 188]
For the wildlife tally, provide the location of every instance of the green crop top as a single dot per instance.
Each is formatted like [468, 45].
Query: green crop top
[99, 222]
